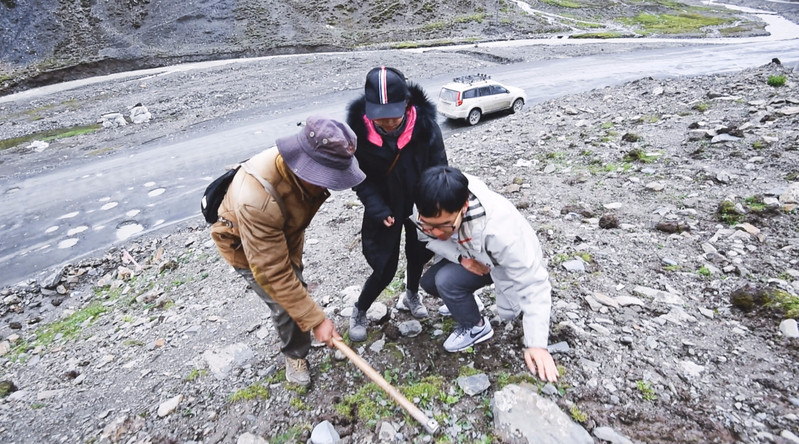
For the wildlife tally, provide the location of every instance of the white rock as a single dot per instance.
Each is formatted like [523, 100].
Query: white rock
[222, 361]
[629, 300]
[140, 114]
[38, 146]
[658, 295]
[47, 394]
[606, 300]
[324, 433]
[350, 294]
[249, 438]
[691, 369]
[169, 406]
[377, 311]
[5, 347]
[789, 328]
[610, 435]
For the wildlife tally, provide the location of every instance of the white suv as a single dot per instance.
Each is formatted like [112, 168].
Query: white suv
[469, 97]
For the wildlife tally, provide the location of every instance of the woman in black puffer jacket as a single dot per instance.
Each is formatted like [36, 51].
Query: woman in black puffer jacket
[398, 138]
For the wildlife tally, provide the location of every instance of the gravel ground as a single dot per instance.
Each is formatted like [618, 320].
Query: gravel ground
[625, 185]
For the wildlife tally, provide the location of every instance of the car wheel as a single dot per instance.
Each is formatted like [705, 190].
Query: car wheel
[517, 105]
[474, 116]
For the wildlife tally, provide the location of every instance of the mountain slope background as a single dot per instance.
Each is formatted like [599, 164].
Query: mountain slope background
[55, 40]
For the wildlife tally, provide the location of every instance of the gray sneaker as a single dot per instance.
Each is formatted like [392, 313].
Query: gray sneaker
[463, 338]
[443, 310]
[358, 325]
[410, 301]
[297, 371]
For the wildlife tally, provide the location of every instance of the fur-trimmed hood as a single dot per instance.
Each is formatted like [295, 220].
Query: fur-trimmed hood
[425, 109]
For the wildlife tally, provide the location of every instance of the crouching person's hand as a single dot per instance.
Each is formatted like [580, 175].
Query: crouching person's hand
[325, 332]
[540, 359]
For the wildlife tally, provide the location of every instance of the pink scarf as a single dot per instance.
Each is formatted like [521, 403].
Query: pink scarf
[404, 138]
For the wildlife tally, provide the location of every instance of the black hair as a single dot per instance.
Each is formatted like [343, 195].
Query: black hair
[441, 188]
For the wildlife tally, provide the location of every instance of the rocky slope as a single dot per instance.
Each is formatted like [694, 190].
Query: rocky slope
[657, 203]
[55, 40]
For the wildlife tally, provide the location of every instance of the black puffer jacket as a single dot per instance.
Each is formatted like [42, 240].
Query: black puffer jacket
[392, 195]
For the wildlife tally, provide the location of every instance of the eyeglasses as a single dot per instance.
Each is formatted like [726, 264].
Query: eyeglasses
[427, 228]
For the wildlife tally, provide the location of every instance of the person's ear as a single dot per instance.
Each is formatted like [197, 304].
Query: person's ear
[465, 206]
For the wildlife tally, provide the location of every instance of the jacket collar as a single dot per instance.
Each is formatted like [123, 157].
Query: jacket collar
[405, 136]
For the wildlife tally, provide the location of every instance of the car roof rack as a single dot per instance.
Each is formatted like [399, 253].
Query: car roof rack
[471, 78]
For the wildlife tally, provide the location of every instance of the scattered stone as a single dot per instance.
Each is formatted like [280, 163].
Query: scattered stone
[169, 406]
[112, 120]
[549, 389]
[54, 279]
[6, 388]
[221, 362]
[377, 346]
[121, 426]
[139, 114]
[324, 433]
[475, 384]
[558, 347]
[789, 328]
[387, 432]
[790, 436]
[410, 328]
[721, 138]
[521, 415]
[5, 347]
[658, 295]
[611, 436]
[574, 266]
[609, 221]
[606, 300]
[577, 209]
[672, 226]
[749, 296]
[691, 369]
[377, 313]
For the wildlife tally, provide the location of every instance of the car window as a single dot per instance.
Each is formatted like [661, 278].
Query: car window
[448, 95]
[485, 91]
[470, 93]
[496, 89]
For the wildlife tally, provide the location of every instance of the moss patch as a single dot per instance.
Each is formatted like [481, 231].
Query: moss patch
[49, 135]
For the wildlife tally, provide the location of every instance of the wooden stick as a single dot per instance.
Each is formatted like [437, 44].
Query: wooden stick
[431, 425]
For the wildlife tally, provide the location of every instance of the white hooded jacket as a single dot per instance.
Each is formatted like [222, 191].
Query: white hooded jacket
[504, 241]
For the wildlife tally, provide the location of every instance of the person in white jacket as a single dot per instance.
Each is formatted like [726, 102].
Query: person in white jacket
[480, 238]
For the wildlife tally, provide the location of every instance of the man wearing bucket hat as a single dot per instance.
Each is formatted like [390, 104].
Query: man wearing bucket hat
[261, 228]
[398, 138]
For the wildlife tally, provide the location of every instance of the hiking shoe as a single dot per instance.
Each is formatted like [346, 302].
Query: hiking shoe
[463, 338]
[443, 310]
[410, 301]
[358, 325]
[297, 371]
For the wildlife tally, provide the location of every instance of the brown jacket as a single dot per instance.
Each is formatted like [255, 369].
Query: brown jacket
[260, 239]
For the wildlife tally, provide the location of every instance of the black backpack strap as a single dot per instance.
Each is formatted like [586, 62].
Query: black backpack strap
[268, 187]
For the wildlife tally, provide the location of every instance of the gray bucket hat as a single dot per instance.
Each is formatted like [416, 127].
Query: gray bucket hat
[323, 154]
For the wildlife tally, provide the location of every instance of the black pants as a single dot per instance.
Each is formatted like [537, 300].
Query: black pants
[415, 253]
[456, 285]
